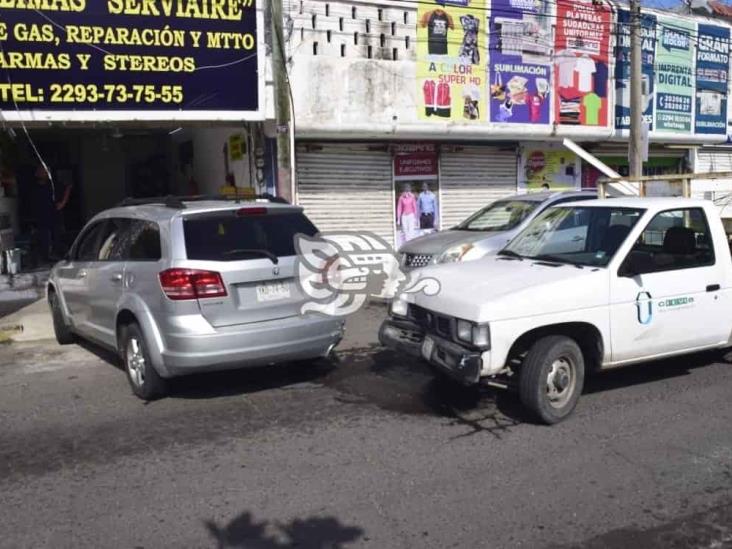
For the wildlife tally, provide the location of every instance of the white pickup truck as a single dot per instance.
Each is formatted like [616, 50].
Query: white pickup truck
[586, 286]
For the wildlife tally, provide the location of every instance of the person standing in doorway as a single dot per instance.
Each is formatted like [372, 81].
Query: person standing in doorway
[407, 212]
[427, 203]
[49, 201]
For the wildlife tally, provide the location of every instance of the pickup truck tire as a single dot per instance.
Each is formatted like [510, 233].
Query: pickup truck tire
[551, 378]
[144, 380]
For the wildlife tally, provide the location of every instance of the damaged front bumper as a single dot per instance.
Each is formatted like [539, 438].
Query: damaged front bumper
[456, 361]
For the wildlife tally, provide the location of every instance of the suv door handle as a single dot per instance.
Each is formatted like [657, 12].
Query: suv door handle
[713, 288]
[117, 277]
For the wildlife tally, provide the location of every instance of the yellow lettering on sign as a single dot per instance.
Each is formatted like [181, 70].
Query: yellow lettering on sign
[226, 10]
[47, 5]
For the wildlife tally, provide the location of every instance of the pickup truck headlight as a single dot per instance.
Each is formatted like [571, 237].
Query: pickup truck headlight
[454, 254]
[478, 335]
[399, 307]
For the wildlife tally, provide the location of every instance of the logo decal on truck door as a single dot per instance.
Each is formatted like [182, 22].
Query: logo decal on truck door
[644, 304]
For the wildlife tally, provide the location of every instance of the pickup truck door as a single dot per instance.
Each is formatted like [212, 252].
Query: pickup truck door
[666, 294]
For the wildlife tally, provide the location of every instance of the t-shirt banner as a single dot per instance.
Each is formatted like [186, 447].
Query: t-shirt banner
[674, 75]
[712, 74]
[581, 55]
[622, 68]
[451, 60]
[95, 58]
[520, 40]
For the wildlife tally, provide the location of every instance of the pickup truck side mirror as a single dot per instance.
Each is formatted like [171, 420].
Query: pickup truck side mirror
[626, 270]
[631, 267]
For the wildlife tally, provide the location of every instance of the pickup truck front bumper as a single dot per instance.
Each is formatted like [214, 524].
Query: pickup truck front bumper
[448, 357]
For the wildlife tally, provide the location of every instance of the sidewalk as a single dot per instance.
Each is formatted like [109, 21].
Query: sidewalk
[24, 314]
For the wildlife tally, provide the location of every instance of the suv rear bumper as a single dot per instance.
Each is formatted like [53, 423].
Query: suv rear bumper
[256, 344]
[448, 357]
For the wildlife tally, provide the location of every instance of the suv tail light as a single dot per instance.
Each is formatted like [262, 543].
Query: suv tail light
[181, 284]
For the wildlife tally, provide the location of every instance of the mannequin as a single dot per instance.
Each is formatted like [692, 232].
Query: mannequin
[407, 212]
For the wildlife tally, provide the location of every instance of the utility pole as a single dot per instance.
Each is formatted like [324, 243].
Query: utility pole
[635, 152]
[285, 181]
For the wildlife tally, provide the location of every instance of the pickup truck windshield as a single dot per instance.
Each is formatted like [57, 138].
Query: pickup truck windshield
[575, 235]
[503, 215]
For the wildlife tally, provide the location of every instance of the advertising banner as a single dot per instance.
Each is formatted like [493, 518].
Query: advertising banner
[557, 168]
[674, 75]
[101, 60]
[712, 74]
[416, 191]
[451, 60]
[622, 68]
[417, 161]
[581, 55]
[520, 41]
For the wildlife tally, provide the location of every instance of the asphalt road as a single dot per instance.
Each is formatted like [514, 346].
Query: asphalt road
[369, 452]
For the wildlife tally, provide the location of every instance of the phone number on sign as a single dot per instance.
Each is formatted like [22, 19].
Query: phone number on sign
[115, 93]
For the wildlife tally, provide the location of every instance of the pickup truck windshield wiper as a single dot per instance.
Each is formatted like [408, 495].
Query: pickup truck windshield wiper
[512, 254]
[253, 251]
[555, 259]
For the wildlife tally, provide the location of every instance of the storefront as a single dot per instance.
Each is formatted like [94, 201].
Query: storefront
[367, 186]
[107, 104]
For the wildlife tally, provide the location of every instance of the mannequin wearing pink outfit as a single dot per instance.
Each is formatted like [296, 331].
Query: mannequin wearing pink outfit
[407, 212]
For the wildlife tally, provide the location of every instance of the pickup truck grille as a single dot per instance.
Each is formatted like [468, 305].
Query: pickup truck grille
[431, 321]
[415, 261]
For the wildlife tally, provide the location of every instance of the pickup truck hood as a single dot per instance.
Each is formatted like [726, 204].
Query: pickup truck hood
[493, 288]
[437, 243]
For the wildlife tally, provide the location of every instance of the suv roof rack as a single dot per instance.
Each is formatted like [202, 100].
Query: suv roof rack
[178, 202]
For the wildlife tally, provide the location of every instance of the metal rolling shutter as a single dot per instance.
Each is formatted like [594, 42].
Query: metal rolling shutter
[346, 187]
[712, 160]
[471, 177]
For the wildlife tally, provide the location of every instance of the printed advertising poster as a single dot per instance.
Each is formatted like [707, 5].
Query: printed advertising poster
[416, 191]
[622, 68]
[520, 61]
[92, 60]
[712, 73]
[674, 75]
[451, 60]
[559, 169]
[581, 54]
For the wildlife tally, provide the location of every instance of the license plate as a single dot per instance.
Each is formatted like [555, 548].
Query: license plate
[273, 291]
[428, 345]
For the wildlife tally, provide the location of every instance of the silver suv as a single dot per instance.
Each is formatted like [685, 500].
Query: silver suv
[177, 287]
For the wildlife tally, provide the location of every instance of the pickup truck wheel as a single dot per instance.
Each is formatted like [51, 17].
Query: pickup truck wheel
[144, 379]
[64, 336]
[551, 378]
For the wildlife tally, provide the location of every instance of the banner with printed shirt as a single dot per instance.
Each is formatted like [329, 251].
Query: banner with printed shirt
[712, 75]
[622, 68]
[520, 39]
[451, 60]
[674, 75]
[581, 55]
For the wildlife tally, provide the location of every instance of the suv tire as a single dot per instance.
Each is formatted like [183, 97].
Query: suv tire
[551, 378]
[144, 380]
[64, 336]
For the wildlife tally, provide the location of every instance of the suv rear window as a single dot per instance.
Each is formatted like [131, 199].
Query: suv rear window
[226, 236]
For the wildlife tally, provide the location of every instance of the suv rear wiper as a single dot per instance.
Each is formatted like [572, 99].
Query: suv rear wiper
[511, 253]
[253, 251]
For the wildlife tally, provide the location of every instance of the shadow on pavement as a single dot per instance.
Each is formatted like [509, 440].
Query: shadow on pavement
[649, 372]
[310, 533]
